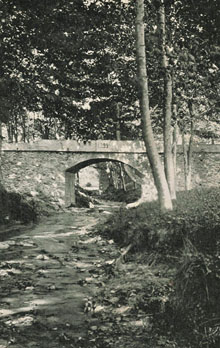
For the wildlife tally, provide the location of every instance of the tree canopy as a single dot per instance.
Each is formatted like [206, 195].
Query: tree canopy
[70, 64]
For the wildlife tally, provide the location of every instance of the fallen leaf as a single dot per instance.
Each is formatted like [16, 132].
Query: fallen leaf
[122, 310]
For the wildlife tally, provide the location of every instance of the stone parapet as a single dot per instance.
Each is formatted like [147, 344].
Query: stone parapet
[112, 146]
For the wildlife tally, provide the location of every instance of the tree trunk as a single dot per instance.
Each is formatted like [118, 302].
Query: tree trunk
[168, 156]
[174, 152]
[122, 176]
[187, 158]
[1, 152]
[167, 108]
[16, 128]
[118, 126]
[118, 138]
[152, 153]
[190, 148]
[23, 128]
[10, 132]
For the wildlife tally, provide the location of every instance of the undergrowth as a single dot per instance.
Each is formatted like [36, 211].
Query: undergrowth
[186, 240]
[119, 195]
[15, 207]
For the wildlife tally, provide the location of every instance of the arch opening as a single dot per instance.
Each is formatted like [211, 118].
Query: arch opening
[70, 197]
[80, 165]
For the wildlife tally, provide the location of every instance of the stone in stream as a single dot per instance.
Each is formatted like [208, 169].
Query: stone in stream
[3, 343]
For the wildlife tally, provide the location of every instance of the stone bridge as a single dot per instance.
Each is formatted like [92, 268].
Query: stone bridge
[50, 165]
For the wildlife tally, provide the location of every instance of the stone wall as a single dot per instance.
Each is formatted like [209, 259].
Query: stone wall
[37, 173]
[42, 174]
[205, 170]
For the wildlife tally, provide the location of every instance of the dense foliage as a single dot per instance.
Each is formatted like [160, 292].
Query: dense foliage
[68, 67]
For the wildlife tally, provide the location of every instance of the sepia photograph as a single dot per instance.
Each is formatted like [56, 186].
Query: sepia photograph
[109, 174]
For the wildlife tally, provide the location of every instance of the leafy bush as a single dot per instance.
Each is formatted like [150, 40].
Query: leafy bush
[196, 216]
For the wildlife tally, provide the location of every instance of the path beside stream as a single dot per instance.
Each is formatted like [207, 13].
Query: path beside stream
[47, 275]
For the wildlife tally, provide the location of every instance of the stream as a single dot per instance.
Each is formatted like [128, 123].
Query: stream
[48, 273]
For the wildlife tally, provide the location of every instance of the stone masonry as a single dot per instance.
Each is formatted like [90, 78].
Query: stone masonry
[48, 168]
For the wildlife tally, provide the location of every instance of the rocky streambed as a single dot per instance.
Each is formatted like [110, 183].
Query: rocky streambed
[49, 274]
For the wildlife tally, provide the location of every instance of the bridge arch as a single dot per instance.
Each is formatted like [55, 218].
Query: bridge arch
[70, 196]
[44, 163]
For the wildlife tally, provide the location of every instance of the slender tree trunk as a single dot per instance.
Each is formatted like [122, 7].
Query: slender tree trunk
[189, 169]
[118, 126]
[190, 148]
[122, 177]
[175, 141]
[46, 132]
[152, 153]
[28, 130]
[167, 108]
[10, 132]
[118, 138]
[185, 162]
[174, 152]
[113, 176]
[168, 156]
[187, 157]
[77, 178]
[56, 129]
[23, 128]
[1, 152]
[33, 128]
[16, 128]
